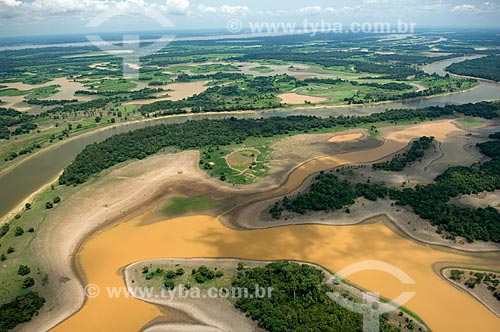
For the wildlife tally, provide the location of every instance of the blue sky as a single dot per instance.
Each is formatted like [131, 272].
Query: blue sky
[28, 17]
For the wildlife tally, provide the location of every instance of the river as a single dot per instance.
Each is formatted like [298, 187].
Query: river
[31, 174]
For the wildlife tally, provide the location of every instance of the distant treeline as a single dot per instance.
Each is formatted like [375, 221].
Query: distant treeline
[20, 310]
[141, 143]
[487, 67]
[430, 201]
[399, 162]
[11, 118]
[394, 70]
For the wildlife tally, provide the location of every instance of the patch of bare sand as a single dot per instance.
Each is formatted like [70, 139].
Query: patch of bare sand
[15, 102]
[481, 200]
[176, 91]
[295, 98]
[68, 89]
[185, 90]
[100, 65]
[291, 151]
[345, 137]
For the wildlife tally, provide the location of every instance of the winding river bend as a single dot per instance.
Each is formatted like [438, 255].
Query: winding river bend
[34, 172]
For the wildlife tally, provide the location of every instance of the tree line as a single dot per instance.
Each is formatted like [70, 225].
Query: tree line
[400, 161]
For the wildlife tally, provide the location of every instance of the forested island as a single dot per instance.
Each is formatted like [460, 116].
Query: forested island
[400, 161]
[487, 67]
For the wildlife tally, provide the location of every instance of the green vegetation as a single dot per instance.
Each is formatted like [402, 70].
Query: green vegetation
[328, 193]
[252, 93]
[10, 118]
[487, 67]
[242, 159]
[119, 85]
[171, 278]
[202, 69]
[204, 274]
[238, 169]
[41, 92]
[469, 123]
[141, 143]
[399, 162]
[298, 302]
[181, 205]
[262, 69]
[23, 270]
[20, 310]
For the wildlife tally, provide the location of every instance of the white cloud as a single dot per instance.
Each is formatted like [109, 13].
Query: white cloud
[176, 7]
[86, 9]
[11, 3]
[465, 8]
[317, 10]
[224, 9]
[486, 7]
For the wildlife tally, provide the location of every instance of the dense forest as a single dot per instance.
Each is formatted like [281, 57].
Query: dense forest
[20, 310]
[299, 300]
[487, 67]
[430, 202]
[141, 143]
[11, 118]
[400, 161]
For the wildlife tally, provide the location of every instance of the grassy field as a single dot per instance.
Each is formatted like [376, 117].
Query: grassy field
[120, 85]
[11, 92]
[180, 205]
[202, 69]
[242, 159]
[262, 69]
[35, 93]
[337, 93]
[469, 123]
